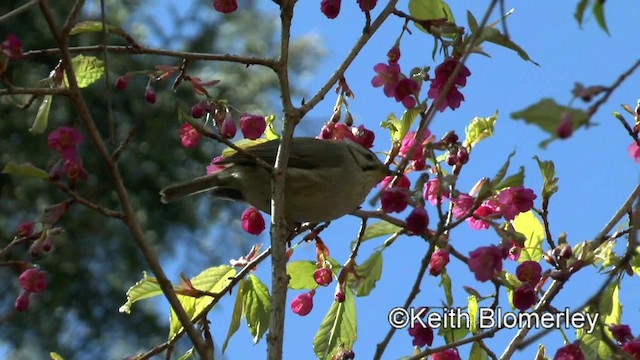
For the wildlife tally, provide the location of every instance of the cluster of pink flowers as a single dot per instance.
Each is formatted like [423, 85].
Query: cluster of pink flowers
[395, 84]
[65, 140]
[331, 8]
[340, 131]
[443, 72]
[31, 281]
[251, 126]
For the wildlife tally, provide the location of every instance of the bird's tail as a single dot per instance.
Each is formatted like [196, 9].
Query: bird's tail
[188, 188]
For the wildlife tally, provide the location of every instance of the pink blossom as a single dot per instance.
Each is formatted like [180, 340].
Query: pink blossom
[417, 221]
[74, 170]
[632, 348]
[330, 8]
[442, 74]
[65, 140]
[462, 205]
[252, 126]
[488, 209]
[515, 200]
[570, 352]
[388, 76]
[342, 131]
[394, 200]
[431, 189]
[405, 91]
[485, 262]
[252, 221]
[422, 335]
[439, 259]
[411, 143]
[12, 47]
[529, 272]
[364, 137]
[622, 333]
[402, 182]
[189, 136]
[33, 280]
[213, 165]
[634, 151]
[303, 303]
[225, 6]
[524, 297]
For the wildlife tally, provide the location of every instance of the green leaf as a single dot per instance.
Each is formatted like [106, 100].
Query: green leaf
[430, 10]
[96, 26]
[445, 284]
[547, 114]
[88, 69]
[42, 117]
[548, 170]
[610, 307]
[494, 35]
[55, 356]
[339, 327]
[598, 13]
[146, 288]
[271, 133]
[242, 144]
[502, 172]
[473, 23]
[479, 129]
[369, 273]
[580, 8]
[393, 124]
[516, 179]
[213, 280]
[454, 332]
[528, 225]
[635, 262]
[256, 306]
[406, 121]
[235, 317]
[477, 353]
[301, 275]
[25, 169]
[604, 254]
[188, 355]
[594, 347]
[377, 229]
[472, 305]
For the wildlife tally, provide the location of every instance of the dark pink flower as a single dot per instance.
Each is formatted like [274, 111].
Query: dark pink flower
[515, 200]
[326, 133]
[330, 8]
[342, 131]
[442, 74]
[323, 276]
[25, 229]
[214, 166]
[634, 151]
[417, 221]
[303, 303]
[228, 127]
[632, 348]
[422, 335]
[403, 182]
[388, 76]
[363, 136]
[74, 170]
[449, 354]
[189, 136]
[411, 143]
[394, 200]
[462, 205]
[12, 47]
[65, 140]
[252, 126]
[367, 5]
[431, 189]
[22, 301]
[405, 91]
[394, 55]
[569, 352]
[485, 262]
[488, 209]
[529, 272]
[622, 333]
[252, 221]
[524, 297]
[225, 6]
[439, 259]
[33, 280]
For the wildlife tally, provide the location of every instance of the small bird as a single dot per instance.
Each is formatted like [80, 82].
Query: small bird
[325, 179]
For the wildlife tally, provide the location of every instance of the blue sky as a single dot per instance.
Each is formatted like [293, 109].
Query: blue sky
[596, 175]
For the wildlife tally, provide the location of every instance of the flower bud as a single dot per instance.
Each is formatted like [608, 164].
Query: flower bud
[189, 136]
[150, 95]
[394, 54]
[323, 276]
[565, 127]
[622, 333]
[339, 295]
[122, 82]
[225, 6]
[417, 221]
[463, 155]
[439, 259]
[303, 303]
[198, 110]
[22, 301]
[252, 126]
[330, 8]
[449, 354]
[33, 280]
[394, 200]
[25, 229]
[570, 352]
[252, 221]
[632, 348]
[228, 127]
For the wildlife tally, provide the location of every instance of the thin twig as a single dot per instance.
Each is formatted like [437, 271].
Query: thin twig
[594, 108]
[89, 204]
[17, 11]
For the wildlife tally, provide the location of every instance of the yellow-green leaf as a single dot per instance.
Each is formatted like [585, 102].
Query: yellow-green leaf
[235, 317]
[635, 262]
[528, 225]
[301, 275]
[369, 273]
[88, 69]
[146, 288]
[55, 356]
[256, 306]
[42, 117]
[271, 133]
[243, 144]
[445, 284]
[430, 10]
[472, 305]
[338, 327]
[479, 129]
[25, 169]
[377, 229]
[548, 170]
[477, 352]
[189, 355]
